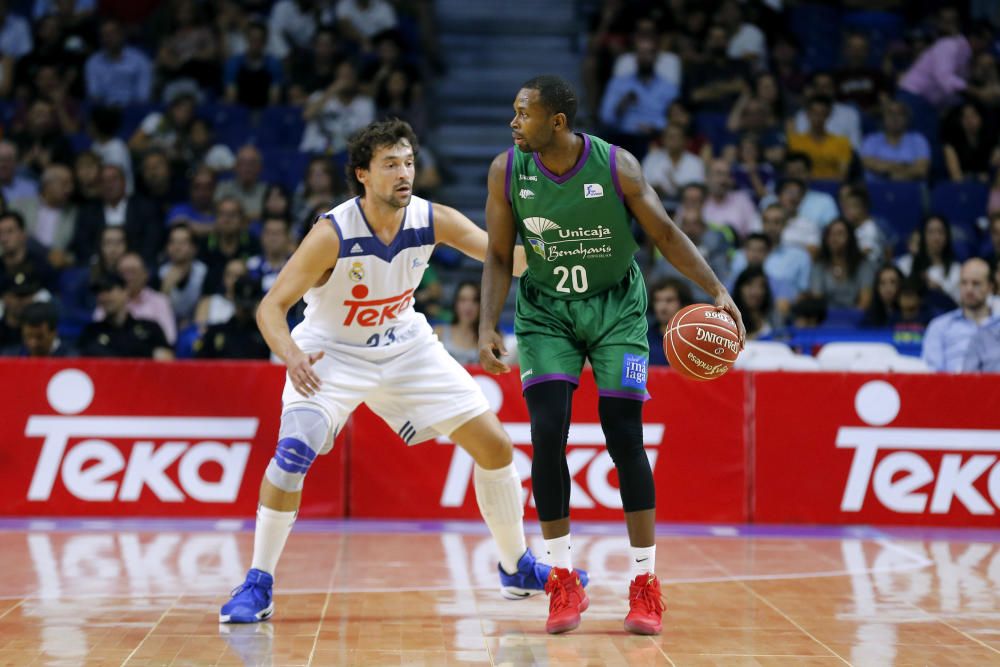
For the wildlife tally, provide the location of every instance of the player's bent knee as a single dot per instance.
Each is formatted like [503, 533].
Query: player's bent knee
[302, 436]
[484, 438]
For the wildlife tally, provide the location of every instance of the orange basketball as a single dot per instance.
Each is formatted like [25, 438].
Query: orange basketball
[701, 342]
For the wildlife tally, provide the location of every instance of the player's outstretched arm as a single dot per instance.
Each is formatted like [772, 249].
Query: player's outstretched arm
[308, 265]
[497, 267]
[645, 205]
[454, 229]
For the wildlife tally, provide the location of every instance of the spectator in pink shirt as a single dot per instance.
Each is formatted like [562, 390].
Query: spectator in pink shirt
[941, 72]
[144, 303]
[725, 206]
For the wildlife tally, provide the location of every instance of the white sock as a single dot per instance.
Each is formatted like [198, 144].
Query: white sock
[269, 537]
[558, 552]
[642, 560]
[498, 493]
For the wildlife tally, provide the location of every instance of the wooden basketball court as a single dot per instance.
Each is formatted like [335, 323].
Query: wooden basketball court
[378, 593]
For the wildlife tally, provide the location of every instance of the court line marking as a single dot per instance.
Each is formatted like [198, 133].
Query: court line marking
[12, 607]
[341, 547]
[152, 629]
[961, 632]
[662, 652]
[770, 604]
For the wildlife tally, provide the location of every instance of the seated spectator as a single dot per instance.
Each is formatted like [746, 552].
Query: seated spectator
[39, 333]
[461, 336]
[51, 218]
[750, 173]
[229, 239]
[199, 212]
[290, 27]
[275, 248]
[18, 291]
[219, 307]
[856, 208]
[21, 254]
[189, 51]
[983, 86]
[843, 120]
[42, 144]
[725, 206]
[254, 78]
[818, 207]
[983, 355]
[858, 82]
[277, 203]
[666, 66]
[143, 228]
[316, 68]
[105, 123]
[787, 266]
[970, 147]
[144, 303]
[49, 50]
[202, 150]
[752, 295]
[786, 63]
[716, 83]
[896, 154]
[157, 184]
[809, 312]
[669, 166]
[398, 96]
[666, 298]
[15, 43]
[830, 153]
[841, 274]
[119, 334]
[387, 58]
[884, 307]
[111, 247]
[798, 231]
[13, 185]
[746, 41]
[182, 277]
[939, 73]
[49, 85]
[334, 114]
[711, 243]
[117, 75]
[87, 173]
[238, 338]
[934, 262]
[168, 131]
[634, 107]
[246, 187]
[698, 144]
[948, 336]
[761, 114]
[914, 314]
[361, 20]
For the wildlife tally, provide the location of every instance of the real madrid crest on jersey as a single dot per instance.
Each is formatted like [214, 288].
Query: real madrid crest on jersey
[357, 272]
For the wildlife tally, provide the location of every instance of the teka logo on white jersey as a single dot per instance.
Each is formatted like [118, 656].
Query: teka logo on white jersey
[897, 478]
[154, 445]
[586, 456]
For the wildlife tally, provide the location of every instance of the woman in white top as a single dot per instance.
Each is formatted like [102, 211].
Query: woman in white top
[461, 337]
[935, 261]
[219, 308]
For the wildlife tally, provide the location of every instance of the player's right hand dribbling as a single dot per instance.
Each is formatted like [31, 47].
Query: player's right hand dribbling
[300, 371]
[491, 348]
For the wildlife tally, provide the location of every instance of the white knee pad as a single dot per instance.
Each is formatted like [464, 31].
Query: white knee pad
[301, 438]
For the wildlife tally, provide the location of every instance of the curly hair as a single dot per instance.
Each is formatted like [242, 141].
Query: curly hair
[364, 144]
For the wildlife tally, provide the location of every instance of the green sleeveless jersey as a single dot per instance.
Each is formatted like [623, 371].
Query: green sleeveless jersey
[575, 227]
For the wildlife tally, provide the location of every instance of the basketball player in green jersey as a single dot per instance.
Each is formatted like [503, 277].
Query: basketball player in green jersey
[570, 197]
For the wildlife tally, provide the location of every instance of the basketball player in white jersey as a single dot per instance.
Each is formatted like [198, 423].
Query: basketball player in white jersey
[362, 341]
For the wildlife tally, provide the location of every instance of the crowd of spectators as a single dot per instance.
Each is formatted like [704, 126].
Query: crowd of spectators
[837, 164]
[160, 160]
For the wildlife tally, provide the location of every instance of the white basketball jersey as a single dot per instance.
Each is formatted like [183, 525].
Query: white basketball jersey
[367, 303]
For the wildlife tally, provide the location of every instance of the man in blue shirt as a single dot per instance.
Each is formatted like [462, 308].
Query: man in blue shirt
[895, 154]
[786, 266]
[949, 336]
[637, 104]
[117, 75]
[984, 350]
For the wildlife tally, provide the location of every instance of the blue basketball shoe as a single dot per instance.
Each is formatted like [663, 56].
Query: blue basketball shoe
[529, 579]
[251, 601]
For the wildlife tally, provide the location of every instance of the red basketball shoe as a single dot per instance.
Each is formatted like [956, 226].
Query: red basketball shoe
[567, 600]
[646, 605]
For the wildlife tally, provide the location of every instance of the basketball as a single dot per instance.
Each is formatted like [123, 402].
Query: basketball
[701, 342]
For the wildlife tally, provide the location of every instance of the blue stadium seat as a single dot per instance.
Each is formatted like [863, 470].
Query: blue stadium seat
[186, 338]
[80, 141]
[713, 125]
[815, 27]
[962, 203]
[285, 166]
[900, 203]
[230, 123]
[831, 188]
[132, 117]
[280, 127]
[881, 28]
[843, 317]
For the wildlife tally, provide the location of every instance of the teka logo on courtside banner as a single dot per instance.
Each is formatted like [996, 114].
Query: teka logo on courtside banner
[165, 455]
[967, 457]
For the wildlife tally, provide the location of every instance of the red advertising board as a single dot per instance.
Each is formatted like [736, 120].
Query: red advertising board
[694, 435]
[139, 438]
[851, 448]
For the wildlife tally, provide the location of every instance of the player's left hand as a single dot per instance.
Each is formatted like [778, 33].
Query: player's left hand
[725, 302]
[491, 348]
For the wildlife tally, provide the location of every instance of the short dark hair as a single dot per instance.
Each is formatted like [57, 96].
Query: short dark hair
[860, 193]
[107, 120]
[184, 227]
[820, 99]
[40, 312]
[363, 145]
[683, 290]
[792, 181]
[798, 156]
[555, 94]
[700, 187]
[759, 236]
[276, 218]
[15, 215]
